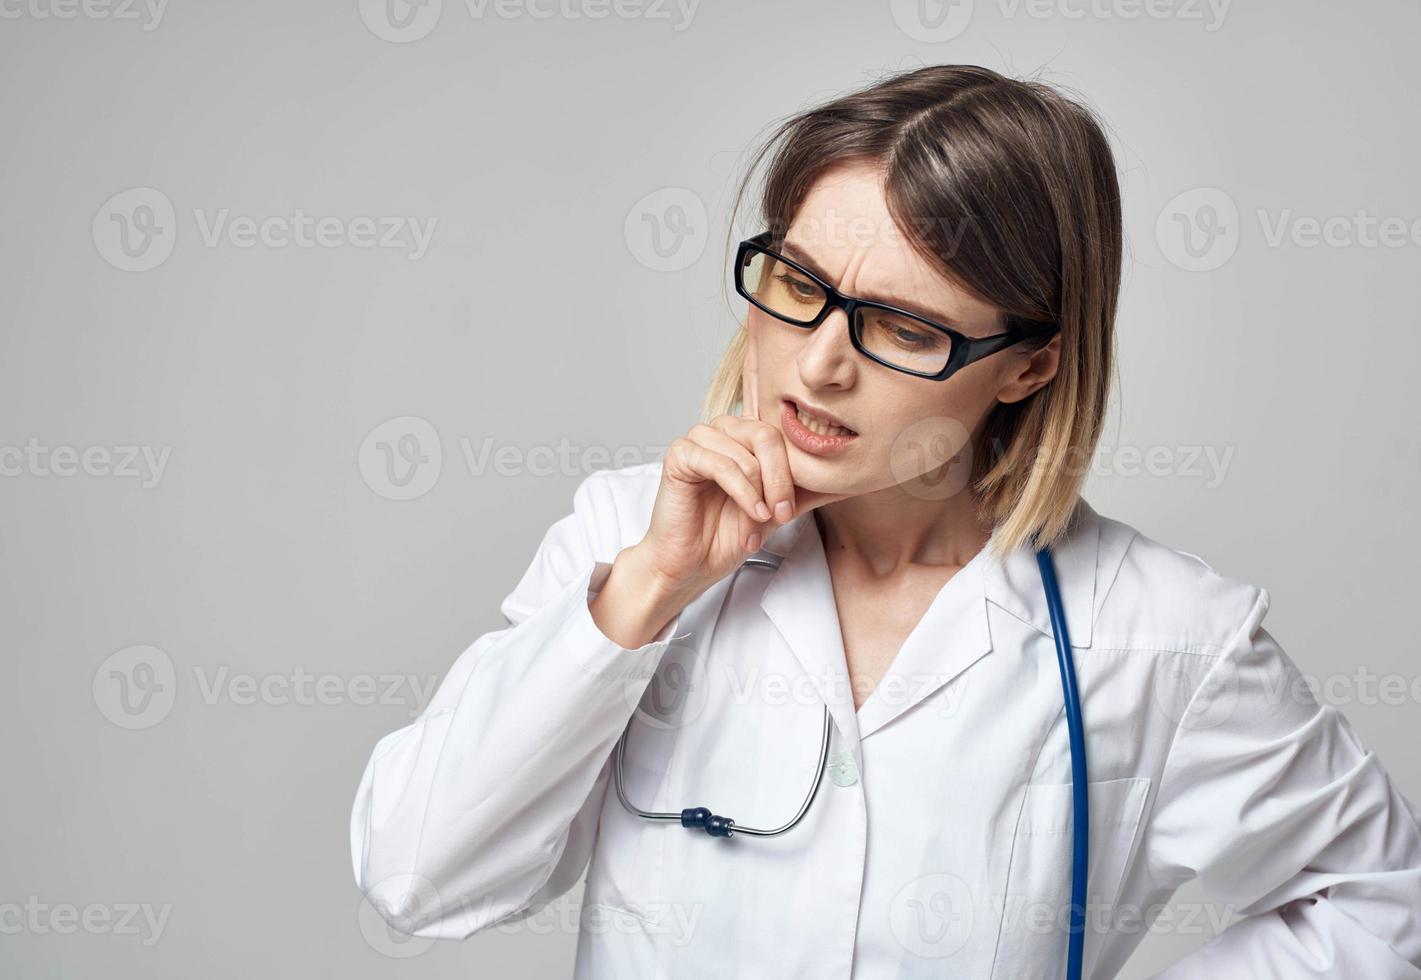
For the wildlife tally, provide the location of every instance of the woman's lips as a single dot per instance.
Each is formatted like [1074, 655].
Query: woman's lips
[806, 438]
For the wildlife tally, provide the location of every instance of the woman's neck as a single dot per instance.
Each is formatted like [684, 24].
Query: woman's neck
[888, 529]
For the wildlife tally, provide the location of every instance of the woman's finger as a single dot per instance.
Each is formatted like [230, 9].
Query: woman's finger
[768, 448]
[718, 440]
[687, 459]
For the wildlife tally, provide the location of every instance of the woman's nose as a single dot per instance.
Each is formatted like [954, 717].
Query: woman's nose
[828, 355]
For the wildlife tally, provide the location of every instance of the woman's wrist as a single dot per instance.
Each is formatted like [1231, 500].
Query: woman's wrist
[636, 601]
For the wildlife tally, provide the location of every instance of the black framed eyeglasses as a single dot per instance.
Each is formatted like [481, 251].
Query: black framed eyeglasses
[893, 337]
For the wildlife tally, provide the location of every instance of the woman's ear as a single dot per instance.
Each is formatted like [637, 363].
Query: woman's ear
[1029, 372]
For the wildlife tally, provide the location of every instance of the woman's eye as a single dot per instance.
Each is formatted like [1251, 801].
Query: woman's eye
[800, 288]
[907, 338]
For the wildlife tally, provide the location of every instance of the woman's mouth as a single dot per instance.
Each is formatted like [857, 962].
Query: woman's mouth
[813, 434]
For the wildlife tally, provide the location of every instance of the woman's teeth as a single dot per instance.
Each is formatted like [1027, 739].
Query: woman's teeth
[822, 428]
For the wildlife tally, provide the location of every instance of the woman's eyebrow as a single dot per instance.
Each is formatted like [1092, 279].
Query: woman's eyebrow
[803, 258]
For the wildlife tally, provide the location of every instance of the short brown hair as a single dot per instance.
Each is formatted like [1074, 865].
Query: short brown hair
[1009, 188]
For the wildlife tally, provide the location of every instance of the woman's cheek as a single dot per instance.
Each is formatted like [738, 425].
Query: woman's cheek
[935, 451]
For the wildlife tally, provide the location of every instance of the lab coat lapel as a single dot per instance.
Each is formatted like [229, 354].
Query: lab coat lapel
[954, 633]
[951, 636]
[1015, 584]
[800, 602]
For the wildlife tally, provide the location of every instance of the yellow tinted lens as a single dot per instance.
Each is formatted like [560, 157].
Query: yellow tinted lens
[781, 289]
[903, 341]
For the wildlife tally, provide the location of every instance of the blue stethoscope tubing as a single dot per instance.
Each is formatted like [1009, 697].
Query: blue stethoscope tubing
[715, 825]
[1080, 794]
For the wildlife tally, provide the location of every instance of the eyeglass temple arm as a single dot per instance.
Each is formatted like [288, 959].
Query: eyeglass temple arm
[1019, 331]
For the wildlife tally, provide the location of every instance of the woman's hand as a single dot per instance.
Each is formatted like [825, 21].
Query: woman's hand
[724, 486]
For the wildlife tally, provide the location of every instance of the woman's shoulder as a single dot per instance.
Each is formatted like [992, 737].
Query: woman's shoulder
[1147, 594]
[1152, 594]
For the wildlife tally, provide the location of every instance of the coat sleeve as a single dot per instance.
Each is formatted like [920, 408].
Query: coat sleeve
[485, 808]
[1271, 800]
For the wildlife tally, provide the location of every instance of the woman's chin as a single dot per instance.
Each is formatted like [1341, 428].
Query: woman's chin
[828, 475]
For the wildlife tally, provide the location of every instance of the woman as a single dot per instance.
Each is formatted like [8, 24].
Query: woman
[891, 471]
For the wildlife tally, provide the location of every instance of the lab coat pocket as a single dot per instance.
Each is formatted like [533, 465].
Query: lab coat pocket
[1035, 905]
[627, 876]
[625, 868]
[624, 878]
[623, 920]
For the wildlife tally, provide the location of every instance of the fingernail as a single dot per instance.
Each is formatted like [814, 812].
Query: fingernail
[754, 543]
[761, 511]
[783, 510]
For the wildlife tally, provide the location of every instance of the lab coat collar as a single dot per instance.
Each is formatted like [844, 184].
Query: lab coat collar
[952, 635]
[1014, 584]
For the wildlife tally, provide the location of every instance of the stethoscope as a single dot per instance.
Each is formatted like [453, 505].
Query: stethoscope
[720, 826]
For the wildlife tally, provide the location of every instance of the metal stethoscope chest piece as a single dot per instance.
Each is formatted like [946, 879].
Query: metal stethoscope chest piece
[698, 816]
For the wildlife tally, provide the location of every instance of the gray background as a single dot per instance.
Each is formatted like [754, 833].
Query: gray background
[562, 157]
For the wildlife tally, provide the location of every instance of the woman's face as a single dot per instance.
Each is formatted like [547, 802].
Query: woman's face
[905, 427]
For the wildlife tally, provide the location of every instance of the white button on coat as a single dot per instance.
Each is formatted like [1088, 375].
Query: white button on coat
[1207, 760]
[842, 770]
